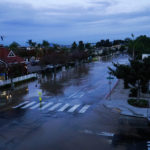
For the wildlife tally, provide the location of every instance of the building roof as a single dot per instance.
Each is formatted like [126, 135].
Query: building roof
[9, 56]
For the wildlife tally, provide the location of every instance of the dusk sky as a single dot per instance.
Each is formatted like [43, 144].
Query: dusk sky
[65, 21]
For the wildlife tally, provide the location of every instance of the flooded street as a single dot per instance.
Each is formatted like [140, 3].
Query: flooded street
[71, 114]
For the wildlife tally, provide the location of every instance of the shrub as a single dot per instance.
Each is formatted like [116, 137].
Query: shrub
[138, 103]
[133, 92]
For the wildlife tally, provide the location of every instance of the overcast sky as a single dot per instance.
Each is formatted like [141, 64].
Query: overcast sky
[65, 21]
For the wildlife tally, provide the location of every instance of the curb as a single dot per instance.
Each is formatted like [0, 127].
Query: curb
[137, 116]
[106, 97]
[124, 114]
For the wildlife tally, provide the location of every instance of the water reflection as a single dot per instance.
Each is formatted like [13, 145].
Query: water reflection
[8, 96]
[54, 85]
[64, 83]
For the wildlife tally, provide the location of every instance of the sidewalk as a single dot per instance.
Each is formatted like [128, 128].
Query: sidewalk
[119, 97]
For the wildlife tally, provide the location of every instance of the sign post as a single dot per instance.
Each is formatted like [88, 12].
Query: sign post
[110, 82]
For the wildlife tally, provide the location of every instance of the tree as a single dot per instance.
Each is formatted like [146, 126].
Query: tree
[14, 46]
[108, 43]
[135, 74]
[30, 43]
[138, 46]
[81, 45]
[98, 44]
[88, 46]
[45, 44]
[74, 46]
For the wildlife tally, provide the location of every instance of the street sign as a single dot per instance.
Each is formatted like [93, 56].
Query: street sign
[109, 78]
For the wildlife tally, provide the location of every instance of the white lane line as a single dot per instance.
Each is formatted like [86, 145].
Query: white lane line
[81, 95]
[73, 108]
[28, 105]
[47, 105]
[21, 104]
[84, 109]
[72, 95]
[54, 107]
[64, 107]
[106, 134]
[37, 105]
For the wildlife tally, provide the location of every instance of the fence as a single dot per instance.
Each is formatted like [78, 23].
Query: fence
[18, 79]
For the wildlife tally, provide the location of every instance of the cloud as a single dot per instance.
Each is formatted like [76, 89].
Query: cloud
[72, 19]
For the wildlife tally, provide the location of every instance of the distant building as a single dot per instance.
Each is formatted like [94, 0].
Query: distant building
[9, 57]
[116, 47]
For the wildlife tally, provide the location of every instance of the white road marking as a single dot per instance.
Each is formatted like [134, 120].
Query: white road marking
[47, 105]
[72, 95]
[21, 104]
[106, 134]
[37, 105]
[88, 132]
[81, 95]
[84, 109]
[148, 142]
[28, 105]
[54, 107]
[64, 107]
[73, 108]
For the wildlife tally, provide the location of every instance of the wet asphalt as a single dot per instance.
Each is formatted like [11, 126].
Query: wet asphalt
[98, 128]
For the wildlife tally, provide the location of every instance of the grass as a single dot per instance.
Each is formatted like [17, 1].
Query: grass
[142, 103]
[95, 59]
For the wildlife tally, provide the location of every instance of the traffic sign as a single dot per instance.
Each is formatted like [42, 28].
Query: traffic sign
[109, 78]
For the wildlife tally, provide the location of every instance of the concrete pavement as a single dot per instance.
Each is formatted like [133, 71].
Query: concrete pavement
[119, 98]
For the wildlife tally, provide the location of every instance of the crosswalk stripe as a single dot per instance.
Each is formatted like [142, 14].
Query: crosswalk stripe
[37, 105]
[148, 145]
[148, 142]
[73, 108]
[148, 148]
[21, 104]
[47, 105]
[28, 105]
[84, 109]
[54, 107]
[64, 107]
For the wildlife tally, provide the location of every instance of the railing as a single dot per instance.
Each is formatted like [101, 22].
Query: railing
[18, 79]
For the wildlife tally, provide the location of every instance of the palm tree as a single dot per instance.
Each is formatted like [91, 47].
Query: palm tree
[30, 43]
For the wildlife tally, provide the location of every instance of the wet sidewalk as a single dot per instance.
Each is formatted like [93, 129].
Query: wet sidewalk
[119, 102]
